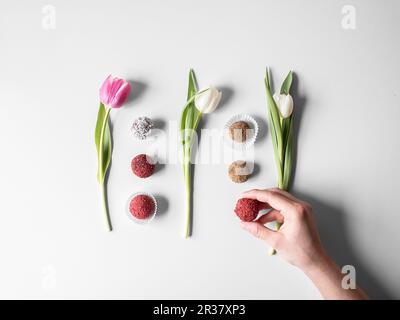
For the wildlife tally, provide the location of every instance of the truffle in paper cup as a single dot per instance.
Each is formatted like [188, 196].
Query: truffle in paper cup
[145, 220]
[251, 133]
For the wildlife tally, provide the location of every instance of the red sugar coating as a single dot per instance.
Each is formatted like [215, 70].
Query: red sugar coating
[247, 209]
[141, 166]
[142, 207]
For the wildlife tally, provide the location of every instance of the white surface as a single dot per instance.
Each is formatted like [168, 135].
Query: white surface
[52, 238]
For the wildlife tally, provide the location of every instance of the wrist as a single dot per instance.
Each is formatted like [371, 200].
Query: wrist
[327, 277]
[320, 262]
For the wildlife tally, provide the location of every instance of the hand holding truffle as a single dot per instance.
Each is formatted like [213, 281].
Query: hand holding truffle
[113, 94]
[297, 241]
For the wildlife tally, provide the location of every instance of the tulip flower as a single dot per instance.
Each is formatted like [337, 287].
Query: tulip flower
[284, 102]
[207, 101]
[198, 102]
[113, 94]
[280, 109]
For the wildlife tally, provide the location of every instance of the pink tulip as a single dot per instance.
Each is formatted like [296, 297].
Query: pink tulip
[114, 92]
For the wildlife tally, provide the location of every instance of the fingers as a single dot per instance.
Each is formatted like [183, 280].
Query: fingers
[285, 193]
[274, 199]
[273, 215]
[261, 232]
[290, 196]
[263, 206]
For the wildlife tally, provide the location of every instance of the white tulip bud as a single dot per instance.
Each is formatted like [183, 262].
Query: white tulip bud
[285, 104]
[208, 100]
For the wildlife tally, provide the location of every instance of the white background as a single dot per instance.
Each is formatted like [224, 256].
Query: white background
[53, 242]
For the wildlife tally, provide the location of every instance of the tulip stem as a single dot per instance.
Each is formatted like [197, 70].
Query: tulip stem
[103, 174]
[278, 225]
[105, 207]
[187, 136]
[187, 176]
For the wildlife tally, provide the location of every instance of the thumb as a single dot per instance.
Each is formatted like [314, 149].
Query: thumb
[260, 231]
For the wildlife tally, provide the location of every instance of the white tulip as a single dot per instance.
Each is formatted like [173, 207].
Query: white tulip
[285, 104]
[207, 101]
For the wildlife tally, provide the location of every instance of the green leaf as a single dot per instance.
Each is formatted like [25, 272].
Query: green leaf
[103, 143]
[287, 128]
[183, 121]
[286, 123]
[192, 88]
[187, 112]
[274, 112]
[285, 88]
[275, 129]
[99, 123]
[107, 151]
[288, 157]
[190, 115]
[193, 114]
[275, 146]
[189, 127]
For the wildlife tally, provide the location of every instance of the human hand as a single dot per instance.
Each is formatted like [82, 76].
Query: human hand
[297, 241]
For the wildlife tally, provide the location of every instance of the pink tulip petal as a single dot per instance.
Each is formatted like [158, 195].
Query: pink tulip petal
[105, 89]
[117, 83]
[122, 95]
[114, 92]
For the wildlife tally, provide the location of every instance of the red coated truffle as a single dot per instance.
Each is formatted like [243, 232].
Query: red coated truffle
[142, 206]
[141, 166]
[247, 209]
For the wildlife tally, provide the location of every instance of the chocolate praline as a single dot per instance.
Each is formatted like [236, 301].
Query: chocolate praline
[238, 171]
[238, 131]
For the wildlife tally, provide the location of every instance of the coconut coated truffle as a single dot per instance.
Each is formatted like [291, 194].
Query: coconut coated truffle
[141, 166]
[142, 207]
[141, 127]
[247, 209]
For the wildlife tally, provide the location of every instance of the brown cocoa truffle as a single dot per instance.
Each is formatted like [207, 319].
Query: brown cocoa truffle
[238, 171]
[238, 131]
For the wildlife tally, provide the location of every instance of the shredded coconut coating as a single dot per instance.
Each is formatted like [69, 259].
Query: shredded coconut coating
[141, 127]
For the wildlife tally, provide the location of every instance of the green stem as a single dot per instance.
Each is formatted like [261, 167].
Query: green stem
[277, 224]
[188, 176]
[187, 141]
[100, 165]
[282, 171]
[188, 198]
[105, 207]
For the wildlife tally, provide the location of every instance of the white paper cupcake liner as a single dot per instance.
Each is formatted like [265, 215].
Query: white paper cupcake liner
[250, 140]
[132, 217]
